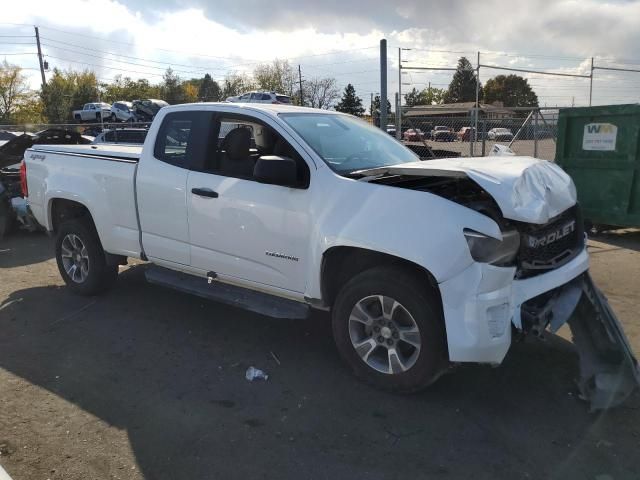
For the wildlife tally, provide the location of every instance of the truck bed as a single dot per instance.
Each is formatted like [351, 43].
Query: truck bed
[99, 177]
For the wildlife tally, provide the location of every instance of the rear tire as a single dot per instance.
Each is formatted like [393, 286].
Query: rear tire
[388, 327]
[81, 259]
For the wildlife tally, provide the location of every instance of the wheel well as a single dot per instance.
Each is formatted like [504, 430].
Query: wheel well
[63, 210]
[340, 264]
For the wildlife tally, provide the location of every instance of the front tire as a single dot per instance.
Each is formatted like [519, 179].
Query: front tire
[389, 329]
[81, 259]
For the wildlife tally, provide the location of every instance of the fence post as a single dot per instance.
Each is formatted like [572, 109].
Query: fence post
[484, 137]
[474, 122]
[535, 134]
[383, 85]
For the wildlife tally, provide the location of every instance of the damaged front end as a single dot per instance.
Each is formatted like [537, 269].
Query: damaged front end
[608, 369]
[548, 284]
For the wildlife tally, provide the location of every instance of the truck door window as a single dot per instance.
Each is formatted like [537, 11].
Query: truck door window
[182, 138]
[239, 144]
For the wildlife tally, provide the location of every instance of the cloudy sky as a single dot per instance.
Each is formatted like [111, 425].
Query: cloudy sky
[337, 38]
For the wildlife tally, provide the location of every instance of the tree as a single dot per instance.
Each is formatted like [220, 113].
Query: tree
[350, 102]
[236, 84]
[463, 84]
[428, 96]
[171, 89]
[209, 90]
[14, 91]
[375, 106]
[124, 88]
[511, 90]
[189, 93]
[66, 91]
[321, 92]
[29, 110]
[277, 76]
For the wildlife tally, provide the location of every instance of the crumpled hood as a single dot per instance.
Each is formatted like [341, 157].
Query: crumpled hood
[526, 189]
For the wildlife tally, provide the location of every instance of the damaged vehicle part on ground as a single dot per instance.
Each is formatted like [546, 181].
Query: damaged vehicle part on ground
[608, 369]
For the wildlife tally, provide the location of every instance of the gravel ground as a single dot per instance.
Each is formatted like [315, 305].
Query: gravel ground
[149, 383]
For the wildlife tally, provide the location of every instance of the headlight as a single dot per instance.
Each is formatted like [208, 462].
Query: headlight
[486, 249]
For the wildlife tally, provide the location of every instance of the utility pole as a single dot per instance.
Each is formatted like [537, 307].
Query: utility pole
[44, 81]
[399, 99]
[300, 80]
[383, 84]
[591, 83]
[477, 109]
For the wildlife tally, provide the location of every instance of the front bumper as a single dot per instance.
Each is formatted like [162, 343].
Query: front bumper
[482, 302]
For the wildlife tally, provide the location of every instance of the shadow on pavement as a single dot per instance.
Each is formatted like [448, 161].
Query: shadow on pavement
[627, 238]
[25, 248]
[169, 369]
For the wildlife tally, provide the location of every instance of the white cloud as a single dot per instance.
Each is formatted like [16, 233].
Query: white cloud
[197, 36]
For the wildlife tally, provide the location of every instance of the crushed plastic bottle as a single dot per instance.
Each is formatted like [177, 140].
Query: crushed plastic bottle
[254, 373]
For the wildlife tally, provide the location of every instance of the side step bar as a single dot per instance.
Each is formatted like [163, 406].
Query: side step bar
[244, 298]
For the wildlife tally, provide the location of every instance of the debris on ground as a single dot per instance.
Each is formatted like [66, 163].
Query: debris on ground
[254, 373]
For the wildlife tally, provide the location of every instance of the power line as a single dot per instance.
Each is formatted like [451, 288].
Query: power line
[125, 62]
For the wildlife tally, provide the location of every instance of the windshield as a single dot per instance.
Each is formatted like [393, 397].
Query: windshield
[346, 143]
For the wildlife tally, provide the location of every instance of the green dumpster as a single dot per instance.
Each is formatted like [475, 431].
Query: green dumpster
[599, 148]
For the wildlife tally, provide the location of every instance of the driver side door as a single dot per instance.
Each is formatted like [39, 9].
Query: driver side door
[247, 232]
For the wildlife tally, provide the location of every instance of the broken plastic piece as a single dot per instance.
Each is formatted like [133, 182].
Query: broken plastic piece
[608, 369]
[254, 373]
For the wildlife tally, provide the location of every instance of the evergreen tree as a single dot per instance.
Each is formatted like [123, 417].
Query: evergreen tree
[463, 84]
[350, 103]
[209, 90]
[171, 88]
[375, 106]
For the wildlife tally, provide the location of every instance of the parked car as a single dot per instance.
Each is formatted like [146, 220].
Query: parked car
[479, 245]
[132, 136]
[414, 135]
[261, 97]
[442, 133]
[93, 112]
[122, 111]
[146, 110]
[465, 134]
[500, 134]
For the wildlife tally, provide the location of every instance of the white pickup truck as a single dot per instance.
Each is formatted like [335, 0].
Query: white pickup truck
[278, 209]
[93, 112]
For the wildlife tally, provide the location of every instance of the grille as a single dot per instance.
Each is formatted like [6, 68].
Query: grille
[549, 246]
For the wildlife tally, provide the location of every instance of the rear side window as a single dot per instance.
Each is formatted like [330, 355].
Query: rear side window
[283, 99]
[182, 138]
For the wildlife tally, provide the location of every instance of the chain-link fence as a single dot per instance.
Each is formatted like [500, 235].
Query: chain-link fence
[446, 131]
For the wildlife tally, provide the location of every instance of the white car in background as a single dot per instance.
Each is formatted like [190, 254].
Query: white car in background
[92, 112]
[129, 136]
[261, 97]
[122, 112]
[500, 134]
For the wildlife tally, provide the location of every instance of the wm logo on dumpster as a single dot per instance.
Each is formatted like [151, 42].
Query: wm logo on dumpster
[600, 128]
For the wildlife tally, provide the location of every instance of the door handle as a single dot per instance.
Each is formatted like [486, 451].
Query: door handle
[204, 192]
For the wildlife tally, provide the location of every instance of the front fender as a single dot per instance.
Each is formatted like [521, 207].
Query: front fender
[419, 227]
